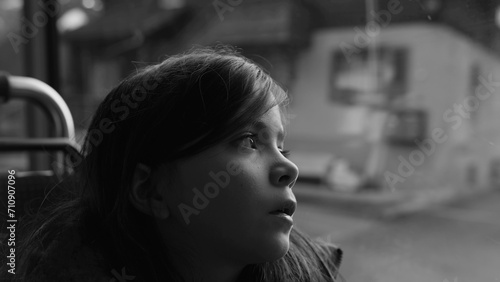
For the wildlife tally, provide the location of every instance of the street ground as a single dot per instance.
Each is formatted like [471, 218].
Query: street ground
[454, 242]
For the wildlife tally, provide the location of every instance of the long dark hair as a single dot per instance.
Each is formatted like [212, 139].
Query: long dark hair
[160, 114]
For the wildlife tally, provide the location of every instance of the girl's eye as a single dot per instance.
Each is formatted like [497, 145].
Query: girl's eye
[285, 153]
[249, 141]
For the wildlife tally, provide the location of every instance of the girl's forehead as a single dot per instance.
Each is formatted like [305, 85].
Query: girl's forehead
[271, 121]
[270, 118]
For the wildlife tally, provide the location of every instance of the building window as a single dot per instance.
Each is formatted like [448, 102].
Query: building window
[368, 77]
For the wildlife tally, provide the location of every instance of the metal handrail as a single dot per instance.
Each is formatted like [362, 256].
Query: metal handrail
[36, 91]
[45, 144]
[41, 93]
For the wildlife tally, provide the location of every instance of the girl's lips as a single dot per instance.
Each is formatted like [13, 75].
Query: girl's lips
[283, 216]
[279, 213]
[286, 207]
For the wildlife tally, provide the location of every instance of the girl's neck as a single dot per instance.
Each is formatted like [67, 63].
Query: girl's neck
[194, 261]
[196, 265]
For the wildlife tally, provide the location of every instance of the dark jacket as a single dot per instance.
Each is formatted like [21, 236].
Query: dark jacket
[331, 260]
[68, 259]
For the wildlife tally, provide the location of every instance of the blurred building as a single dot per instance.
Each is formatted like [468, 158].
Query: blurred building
[388, 86]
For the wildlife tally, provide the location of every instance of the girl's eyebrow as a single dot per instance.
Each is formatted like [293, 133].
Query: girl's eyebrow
[259, 125]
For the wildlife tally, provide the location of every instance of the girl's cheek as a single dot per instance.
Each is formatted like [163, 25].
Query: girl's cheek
[215, 183]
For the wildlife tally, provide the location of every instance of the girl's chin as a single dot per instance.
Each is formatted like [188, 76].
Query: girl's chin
[276, 249]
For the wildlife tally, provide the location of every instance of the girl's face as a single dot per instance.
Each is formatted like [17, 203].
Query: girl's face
[234, 201]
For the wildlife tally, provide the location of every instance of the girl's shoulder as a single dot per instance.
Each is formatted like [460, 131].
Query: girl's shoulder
[330, 257]
[317, 256]
[68, 258]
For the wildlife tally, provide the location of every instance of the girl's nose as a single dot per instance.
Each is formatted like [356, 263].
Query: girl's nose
[284, 174]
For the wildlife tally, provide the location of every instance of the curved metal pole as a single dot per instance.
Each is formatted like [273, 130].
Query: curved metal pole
[34, 89]
[41, 144]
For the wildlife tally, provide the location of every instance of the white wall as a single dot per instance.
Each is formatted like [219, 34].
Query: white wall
[438, 76]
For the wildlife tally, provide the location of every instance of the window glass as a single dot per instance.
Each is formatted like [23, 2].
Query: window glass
[393, 113]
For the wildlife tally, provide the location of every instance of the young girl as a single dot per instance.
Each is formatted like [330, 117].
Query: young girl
[184, 178]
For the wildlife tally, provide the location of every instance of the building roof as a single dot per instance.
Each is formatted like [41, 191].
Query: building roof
[124, 23]
[259, 23]
[276, 22]
[254, 22]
